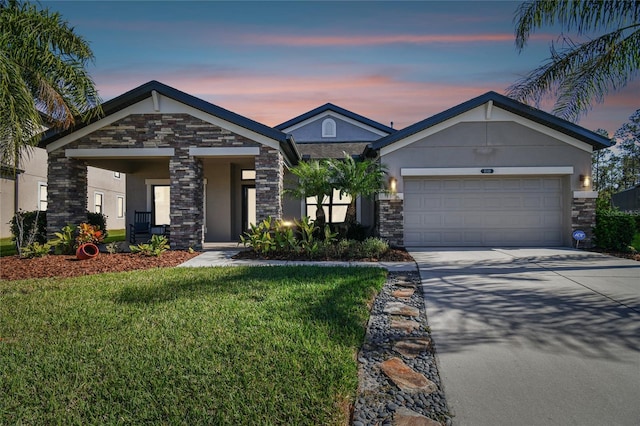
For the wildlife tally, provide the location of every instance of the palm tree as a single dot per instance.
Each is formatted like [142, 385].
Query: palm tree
[356, 179]
[578, 73]
[314, 182]
[42, 72]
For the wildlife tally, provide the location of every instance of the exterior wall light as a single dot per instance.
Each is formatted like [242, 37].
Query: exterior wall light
[393, 184]
[585, 180]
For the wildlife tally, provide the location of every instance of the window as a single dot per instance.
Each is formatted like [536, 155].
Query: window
[116, 175]
[98, 201]
[334, 206]
[328, 128]
[42, 196]
[248, 174]
[161, 205]
[120, 206]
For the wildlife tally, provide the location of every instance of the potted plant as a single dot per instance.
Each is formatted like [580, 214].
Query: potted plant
[88, 237]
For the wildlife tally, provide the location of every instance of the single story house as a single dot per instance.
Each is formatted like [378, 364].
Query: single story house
[488, 172]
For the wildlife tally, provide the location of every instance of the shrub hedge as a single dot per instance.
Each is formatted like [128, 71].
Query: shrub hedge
[615, 230]
[97, 219]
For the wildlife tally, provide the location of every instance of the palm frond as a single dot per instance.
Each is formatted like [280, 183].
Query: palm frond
[42, 70]
[579, 16]
[577, 76]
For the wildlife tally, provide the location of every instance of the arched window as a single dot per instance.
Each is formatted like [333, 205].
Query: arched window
[328, 128]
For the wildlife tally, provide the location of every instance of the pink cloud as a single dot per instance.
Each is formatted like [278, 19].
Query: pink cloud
[273, 99]
[372, 39]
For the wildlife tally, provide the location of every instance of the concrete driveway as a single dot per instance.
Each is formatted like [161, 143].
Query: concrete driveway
[535, 336]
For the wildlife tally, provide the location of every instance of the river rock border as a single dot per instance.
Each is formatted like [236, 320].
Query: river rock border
[399, 382]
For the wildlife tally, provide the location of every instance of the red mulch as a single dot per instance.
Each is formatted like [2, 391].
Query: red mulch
[15, 268]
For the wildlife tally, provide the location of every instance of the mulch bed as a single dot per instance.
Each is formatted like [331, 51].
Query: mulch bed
[15, 268]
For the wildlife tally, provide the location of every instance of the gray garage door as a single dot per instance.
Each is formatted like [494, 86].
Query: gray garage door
[483, 211]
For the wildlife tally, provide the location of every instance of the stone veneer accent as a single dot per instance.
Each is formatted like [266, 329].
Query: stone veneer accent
[390, 221]
[583, 217]
[269, 183]
[187, 189]
[67, 177]
[66, 192]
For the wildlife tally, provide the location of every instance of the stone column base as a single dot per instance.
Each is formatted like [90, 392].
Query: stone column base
[583, 216]
[391, 221]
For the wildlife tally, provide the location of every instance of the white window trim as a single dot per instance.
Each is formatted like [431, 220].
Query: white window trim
[40, 185]
[124, 207]
[325, 133]
[94, 202]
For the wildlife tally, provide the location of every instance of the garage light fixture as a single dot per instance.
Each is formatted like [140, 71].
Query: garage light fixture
[393, 184]
[585, 180]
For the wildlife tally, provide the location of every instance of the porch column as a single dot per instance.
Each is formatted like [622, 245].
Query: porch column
[66, 192]
[187, 200]
[269, 183]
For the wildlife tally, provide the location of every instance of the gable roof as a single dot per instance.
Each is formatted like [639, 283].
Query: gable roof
[503, 102]
[144, 91]
[334, 108]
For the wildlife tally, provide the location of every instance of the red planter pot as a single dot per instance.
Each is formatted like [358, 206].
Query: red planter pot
[87, 251]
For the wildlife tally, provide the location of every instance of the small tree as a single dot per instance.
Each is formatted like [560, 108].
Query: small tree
[356, 179]
[314, 181]
[628, 138]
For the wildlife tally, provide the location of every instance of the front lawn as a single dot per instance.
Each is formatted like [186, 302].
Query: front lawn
[259, 345]
[7, 247]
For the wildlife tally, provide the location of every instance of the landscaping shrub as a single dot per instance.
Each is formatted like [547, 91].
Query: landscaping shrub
[374, 247]
[29, 217]
[275, 238]
[155, 247]
[28, 220]
[636, 218]
[99, 220]
[614, 230]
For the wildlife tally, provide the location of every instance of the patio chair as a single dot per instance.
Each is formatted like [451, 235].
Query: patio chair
[141, 226]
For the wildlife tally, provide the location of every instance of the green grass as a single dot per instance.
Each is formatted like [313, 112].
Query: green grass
[270, 345]
[7, 247]
[115, 235]
[636, 241]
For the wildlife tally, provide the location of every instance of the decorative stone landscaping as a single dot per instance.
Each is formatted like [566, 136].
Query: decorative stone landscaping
[398, 376]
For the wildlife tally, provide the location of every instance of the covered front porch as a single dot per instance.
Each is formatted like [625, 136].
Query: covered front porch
[203, 171]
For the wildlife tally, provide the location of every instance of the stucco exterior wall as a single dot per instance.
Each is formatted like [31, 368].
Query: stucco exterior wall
[104, 181]
[218, 189]
[345, 132]
[489, 144]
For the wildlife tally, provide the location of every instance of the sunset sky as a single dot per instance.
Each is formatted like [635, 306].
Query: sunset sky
[271, 61]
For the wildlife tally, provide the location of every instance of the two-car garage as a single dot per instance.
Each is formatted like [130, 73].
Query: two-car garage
[483, 211]
[488, 172]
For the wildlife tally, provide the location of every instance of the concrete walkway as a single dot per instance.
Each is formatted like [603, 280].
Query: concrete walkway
[535, 336]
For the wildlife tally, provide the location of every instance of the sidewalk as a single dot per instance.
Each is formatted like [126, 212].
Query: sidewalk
[223, 257]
